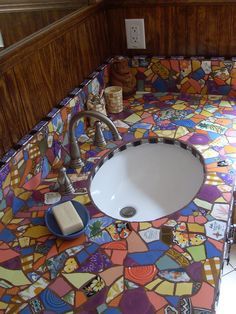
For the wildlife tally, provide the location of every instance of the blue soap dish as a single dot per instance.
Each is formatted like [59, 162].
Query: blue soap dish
[52, 225]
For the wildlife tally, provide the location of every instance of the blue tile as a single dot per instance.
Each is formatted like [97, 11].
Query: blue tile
[82, 256]
[211, 250]
[92, 248]
[7, 236]
[186, 123]
[158, 245]
[112, 311]
[54, 303]
[17, 204]
[6, 298]
[146, 258]
[27, 251]
[173, 300]
[165, 262]
[46, 167]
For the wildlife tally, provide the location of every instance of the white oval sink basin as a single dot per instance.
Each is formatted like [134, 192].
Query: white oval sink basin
[155, 179]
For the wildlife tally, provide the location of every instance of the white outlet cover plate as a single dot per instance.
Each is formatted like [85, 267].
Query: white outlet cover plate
[135, 33]
[1, 41]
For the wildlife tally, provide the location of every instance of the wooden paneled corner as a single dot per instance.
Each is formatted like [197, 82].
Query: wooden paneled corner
[38, 73]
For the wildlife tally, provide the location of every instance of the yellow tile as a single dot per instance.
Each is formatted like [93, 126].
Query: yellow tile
[6, 182]
[36, 232]
[230, 149]
[203, 204]
[144, 225]
[83, 199]
[139, 133]
[206, 113]
[221, 200]
[181, 131]
[153, 284]
[166, 288]
[166, 133]
[78, 279]
[25, 196]
[85, 146]
[24, 242]
[184, 288]
[15, 277]
[16, 221]
[210, 153]
[193, 227]
[179, 105]
[50, 127]
[7, 216]
[196, 64]
[37, 256]
[133, 118]
[116, 289]
[225, 103]
[3, 305]
[148, 72]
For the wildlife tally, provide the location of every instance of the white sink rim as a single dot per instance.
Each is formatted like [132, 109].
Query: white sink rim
[192, 151]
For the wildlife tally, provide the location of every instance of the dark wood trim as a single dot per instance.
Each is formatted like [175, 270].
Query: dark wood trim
[148, 3]
[33, 5]
[18, 51]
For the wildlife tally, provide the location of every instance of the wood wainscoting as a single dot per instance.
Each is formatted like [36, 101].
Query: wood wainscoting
[180, 27]
[21, 18]
[39, 71]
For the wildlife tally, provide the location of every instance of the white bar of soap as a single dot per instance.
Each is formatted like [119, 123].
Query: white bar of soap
[67, 218]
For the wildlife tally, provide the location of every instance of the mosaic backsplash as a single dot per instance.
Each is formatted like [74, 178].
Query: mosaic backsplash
[192, 76]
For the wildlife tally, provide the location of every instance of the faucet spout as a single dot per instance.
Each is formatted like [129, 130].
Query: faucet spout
[75, 155]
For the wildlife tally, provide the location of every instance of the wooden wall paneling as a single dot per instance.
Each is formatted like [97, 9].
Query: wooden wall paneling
[191, 34]
[226, 31]
[14, 111]
[176, 28]
[103, 41]
[180, 30]
[17, 25]
[212, 29]
[116, 30]
[5, 134]
[34, 89]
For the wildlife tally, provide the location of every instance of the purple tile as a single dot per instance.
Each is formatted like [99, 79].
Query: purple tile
[136, 301]
[209, 193]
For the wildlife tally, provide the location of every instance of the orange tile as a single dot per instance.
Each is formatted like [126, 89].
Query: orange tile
[13, 290]
[2, 291]
[116, 245]
[159, 222]
[118, 257]
[7, 254]
[80, 298]
[69, 244]
[39, 262]
[115, 302]
[204, 297]
[157, 301]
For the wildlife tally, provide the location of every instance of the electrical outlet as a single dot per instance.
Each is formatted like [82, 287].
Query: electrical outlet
[135, 33]
[1, 41]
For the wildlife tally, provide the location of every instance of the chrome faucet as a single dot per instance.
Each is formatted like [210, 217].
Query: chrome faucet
[76, 160]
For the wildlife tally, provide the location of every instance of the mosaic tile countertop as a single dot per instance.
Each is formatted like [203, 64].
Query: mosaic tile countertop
[169, 265]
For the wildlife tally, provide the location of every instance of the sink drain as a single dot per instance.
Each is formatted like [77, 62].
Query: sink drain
[128, 212]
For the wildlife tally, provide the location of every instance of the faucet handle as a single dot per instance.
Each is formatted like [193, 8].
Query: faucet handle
[99, 139]
[65, 184]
